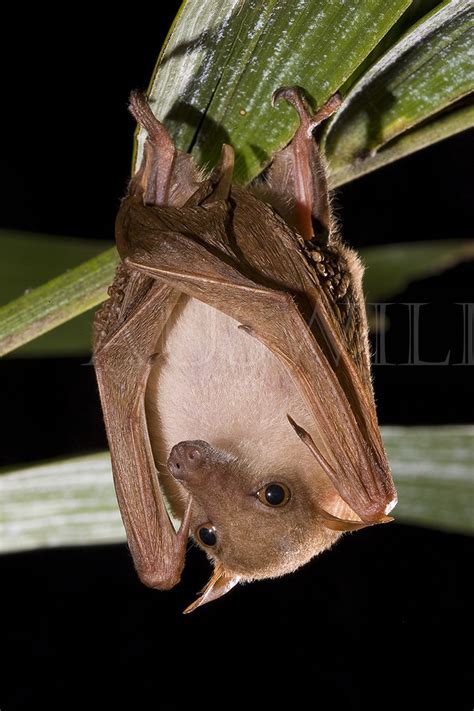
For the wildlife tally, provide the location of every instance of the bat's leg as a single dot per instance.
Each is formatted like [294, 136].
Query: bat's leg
[122, 362]
[297, 176]
[153, 180]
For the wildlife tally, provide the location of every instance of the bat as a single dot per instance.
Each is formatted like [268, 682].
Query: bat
[233, 365]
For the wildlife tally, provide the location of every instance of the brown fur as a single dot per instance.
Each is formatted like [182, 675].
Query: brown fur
[236, 333]
[213, 382]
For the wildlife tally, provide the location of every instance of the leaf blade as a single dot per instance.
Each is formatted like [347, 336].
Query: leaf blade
[391, 267]
[32, 258]
[424, 73]
[73, 502]
[432, 468]
[190, 56]
[449, 124]
[57, 301]
[227, 88]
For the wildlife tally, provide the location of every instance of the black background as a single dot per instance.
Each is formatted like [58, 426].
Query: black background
[384, 616]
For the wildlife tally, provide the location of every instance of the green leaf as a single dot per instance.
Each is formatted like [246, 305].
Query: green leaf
[214, 79]
[444, 126]
[223, 61]
[428, 70]
[73, 502]
[390, 268]
[32, 259]
[412, 15]
[57, 301]
[59, 503]
[432, 469]
[72, 338]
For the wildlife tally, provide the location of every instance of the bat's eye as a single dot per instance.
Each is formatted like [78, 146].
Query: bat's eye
[274, 495]
[207, 535]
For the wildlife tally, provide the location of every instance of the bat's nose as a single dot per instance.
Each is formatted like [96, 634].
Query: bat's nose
[186, 458]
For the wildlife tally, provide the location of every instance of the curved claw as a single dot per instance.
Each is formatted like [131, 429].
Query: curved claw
[294, 96]
[141, 111]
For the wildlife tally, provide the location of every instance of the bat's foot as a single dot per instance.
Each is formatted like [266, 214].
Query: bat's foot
[298, 171]
[294, 96]
[153, 180]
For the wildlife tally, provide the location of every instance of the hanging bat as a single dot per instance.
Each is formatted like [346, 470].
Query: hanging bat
[233, 365]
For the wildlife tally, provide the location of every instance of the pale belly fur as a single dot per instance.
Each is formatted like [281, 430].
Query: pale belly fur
[214, 382]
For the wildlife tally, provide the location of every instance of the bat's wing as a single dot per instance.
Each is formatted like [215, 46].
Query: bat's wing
[301, 299]
[238, 256]
[127, 329]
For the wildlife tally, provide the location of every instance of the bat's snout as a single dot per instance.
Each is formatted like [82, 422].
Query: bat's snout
[186, 459]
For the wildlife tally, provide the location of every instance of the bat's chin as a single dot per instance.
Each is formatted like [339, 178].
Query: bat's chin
[266, 559]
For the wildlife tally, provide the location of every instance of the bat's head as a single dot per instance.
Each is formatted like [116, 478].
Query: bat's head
[252, 522]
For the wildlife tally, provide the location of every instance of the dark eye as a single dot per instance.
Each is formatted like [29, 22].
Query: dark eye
[207, 535]
[274, 495]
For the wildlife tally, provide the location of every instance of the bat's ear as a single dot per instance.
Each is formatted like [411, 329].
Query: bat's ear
[219, 584]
